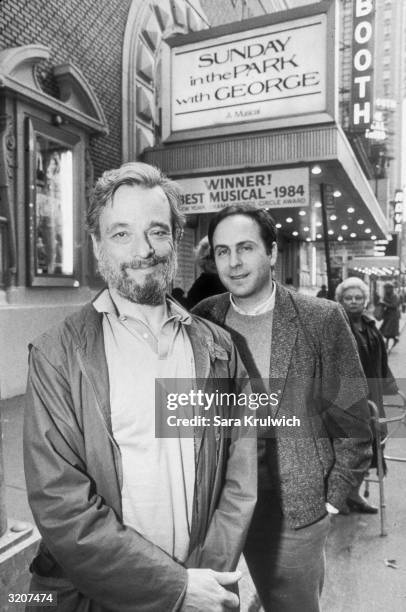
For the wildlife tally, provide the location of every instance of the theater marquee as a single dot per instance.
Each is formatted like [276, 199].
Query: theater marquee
[263, 77]
[286, 188]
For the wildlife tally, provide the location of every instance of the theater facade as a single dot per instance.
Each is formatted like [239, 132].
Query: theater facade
[250, 114]
[247, 111]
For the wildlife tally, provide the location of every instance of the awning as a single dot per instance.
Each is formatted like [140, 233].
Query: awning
[380, 266]
[354, 214]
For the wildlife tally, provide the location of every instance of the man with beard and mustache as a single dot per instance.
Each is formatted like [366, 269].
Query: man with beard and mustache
[131, 521]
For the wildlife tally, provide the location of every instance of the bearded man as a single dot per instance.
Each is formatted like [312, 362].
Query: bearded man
[130, 521]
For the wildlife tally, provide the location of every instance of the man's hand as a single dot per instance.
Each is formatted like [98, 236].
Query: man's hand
[205, 592]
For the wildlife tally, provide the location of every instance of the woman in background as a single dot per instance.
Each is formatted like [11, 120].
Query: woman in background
[208, 283]
[353, 295]
[391, 315]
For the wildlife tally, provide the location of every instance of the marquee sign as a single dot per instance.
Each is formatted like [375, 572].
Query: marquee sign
[275, 74]
[287, 188]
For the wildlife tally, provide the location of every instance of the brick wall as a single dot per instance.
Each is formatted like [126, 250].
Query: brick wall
[87, 33]
[90, 34]
[219, 12]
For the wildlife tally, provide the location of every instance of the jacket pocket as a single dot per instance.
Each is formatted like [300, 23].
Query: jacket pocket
[220, 353]
[68, 598]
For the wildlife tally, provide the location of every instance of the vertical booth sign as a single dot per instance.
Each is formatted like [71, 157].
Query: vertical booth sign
[361, 114]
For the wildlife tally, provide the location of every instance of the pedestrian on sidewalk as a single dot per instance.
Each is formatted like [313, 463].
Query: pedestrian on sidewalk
[323, 293]
[391, 315]
[353, 295]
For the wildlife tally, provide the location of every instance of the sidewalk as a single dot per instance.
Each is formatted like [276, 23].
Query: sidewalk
[11, 413]
[359, 578]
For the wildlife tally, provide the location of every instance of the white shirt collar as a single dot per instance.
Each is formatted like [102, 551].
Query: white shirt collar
[267, 306]
[114, 303]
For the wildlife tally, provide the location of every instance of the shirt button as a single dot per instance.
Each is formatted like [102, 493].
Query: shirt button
[145, 336]
[123, 318]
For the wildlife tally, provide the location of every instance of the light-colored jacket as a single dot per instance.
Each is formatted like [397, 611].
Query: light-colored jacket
[74, 477]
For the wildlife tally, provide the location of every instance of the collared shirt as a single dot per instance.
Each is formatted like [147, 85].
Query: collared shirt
[266, 306]
[158, 473]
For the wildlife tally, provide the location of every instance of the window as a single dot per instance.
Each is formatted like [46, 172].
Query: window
[47, 159]
[51, 205]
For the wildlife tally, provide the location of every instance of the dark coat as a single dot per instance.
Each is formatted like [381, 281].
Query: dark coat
[391, 317]
[206, 285]
[315, 359]
[374, 360]
[74, 478]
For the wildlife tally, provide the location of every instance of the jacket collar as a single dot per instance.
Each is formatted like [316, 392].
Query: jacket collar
[87, 331]
[284, 332]
[203, 350]
[368, 320]
[221, 306]
[284, 329]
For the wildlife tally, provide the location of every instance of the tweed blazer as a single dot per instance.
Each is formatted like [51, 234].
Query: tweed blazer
[320, 379]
